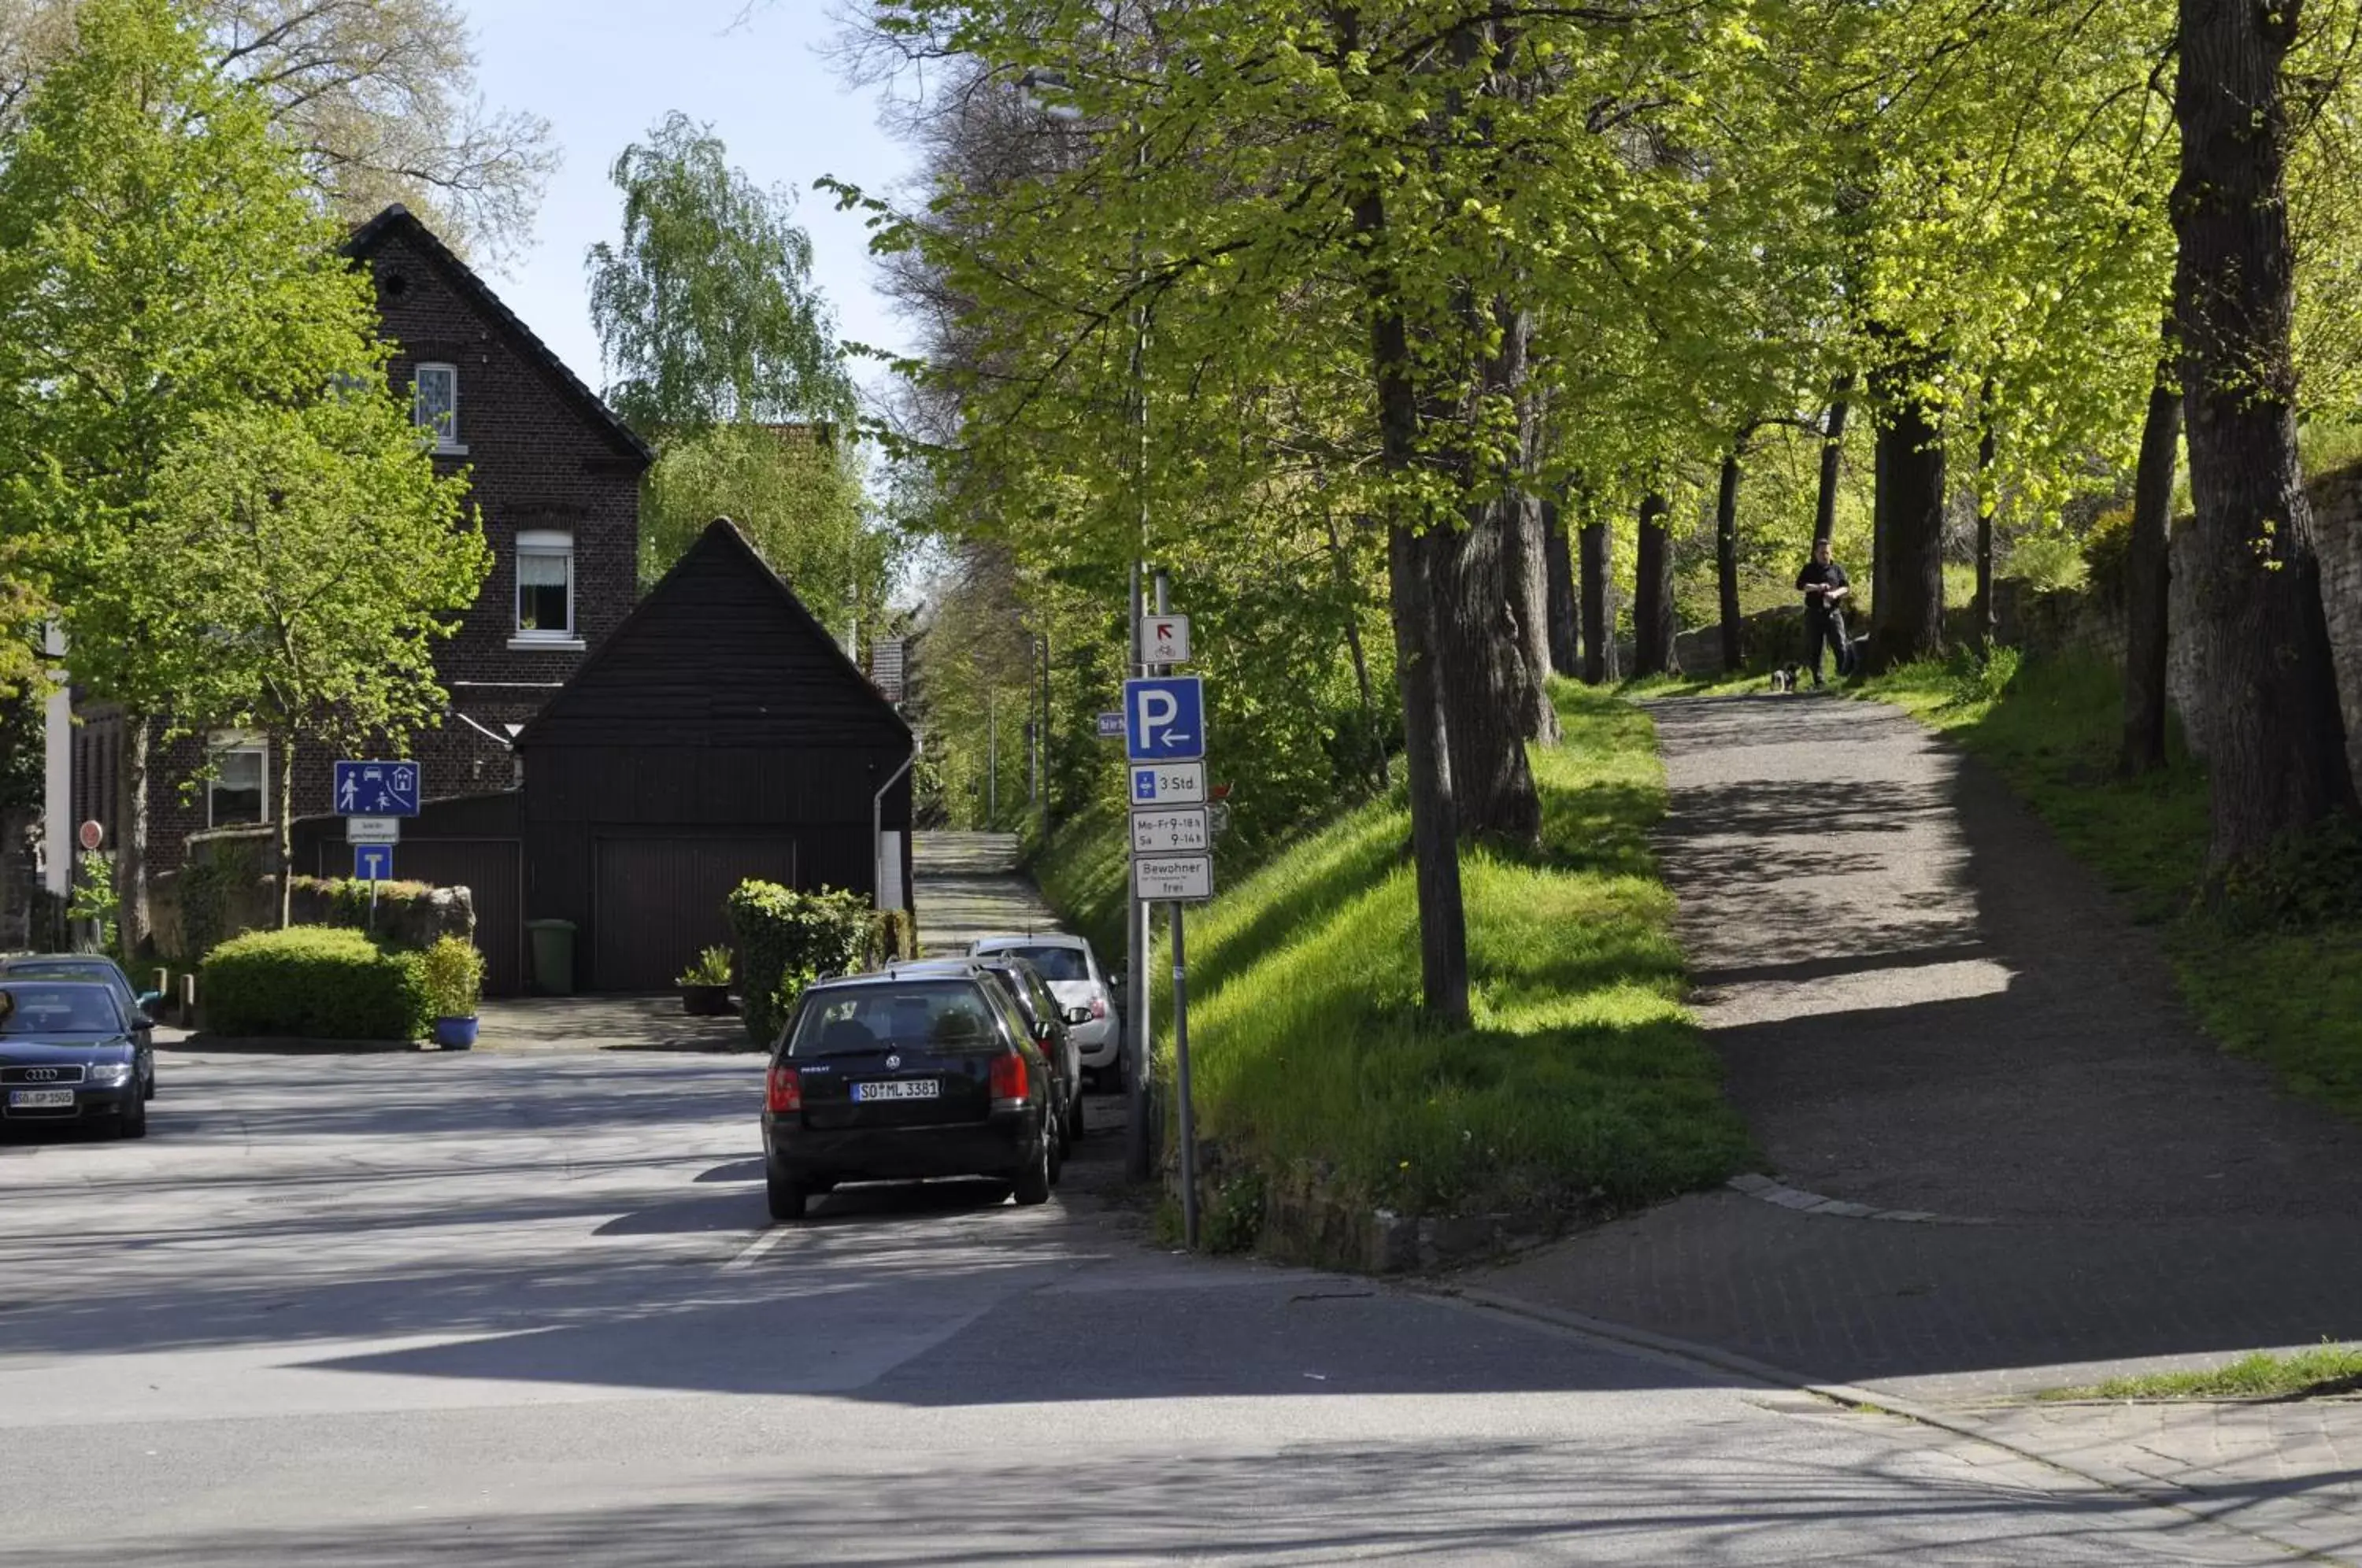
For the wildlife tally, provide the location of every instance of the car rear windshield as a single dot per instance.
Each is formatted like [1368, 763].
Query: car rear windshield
[1054, 963]
[934, 1015]
[57, 1009]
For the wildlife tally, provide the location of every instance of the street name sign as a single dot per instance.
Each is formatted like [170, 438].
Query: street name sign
[1173, 879]
[373, 863]
[1164, 719]
[1172, 784]
[1165, 640]
[372, 830]
[1169, 831]
[377, 788]
[1111, 726]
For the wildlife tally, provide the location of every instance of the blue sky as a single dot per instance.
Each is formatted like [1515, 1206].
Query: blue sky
[603, 72]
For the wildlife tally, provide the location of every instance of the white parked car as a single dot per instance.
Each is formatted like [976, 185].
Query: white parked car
[1075, 979]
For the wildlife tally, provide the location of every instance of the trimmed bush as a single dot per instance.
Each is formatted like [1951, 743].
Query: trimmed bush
[786, 940]
[316, 982]
[893, 935]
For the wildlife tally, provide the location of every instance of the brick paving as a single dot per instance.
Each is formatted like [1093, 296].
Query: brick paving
[1925, 1005]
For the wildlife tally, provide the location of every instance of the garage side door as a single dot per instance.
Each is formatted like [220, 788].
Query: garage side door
[660, 902]
[489, 869]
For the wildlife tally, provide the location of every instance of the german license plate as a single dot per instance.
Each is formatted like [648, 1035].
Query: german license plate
[40, 1099]
[905, 1088]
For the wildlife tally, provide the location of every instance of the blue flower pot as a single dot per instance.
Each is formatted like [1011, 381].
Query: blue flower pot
[455, 1033]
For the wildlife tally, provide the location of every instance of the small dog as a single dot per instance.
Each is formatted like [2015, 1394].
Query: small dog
[1784, 678]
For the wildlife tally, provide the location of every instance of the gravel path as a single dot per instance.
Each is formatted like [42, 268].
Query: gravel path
[1925, 1004]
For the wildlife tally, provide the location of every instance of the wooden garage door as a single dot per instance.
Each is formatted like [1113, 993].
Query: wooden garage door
[488, 868]
[660, 902]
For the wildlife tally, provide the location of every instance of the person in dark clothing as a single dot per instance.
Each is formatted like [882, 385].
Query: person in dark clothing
[1824, 588]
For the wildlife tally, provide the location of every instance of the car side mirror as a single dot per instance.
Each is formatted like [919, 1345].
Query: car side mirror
[1078, 1015]
[140, 1020]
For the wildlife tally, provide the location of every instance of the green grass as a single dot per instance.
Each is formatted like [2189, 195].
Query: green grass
[1582, 1078]
[2327, 1369]
[2285, 991]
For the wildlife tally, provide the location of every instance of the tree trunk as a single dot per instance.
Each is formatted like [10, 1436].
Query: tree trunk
[1911, 527]
[1434, 813]
[1726, 561]
[1825, 509]
[1983, 614]
[1565, 642]
[1530, 599]
[133, 926]
[1435, 845]
[2276, 746]
[1653, 595]
[1481, 676]
[2147, 581]
[286, 835]
[1598, 624]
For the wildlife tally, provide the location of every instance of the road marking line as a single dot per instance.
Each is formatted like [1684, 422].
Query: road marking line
[757, 1250]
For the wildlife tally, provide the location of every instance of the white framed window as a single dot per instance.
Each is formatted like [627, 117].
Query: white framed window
[544, 589]
[435, 404]
[237, 791]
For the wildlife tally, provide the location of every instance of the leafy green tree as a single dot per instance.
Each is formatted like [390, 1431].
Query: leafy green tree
[705, 310]
[379, 97]
[163, 266]
[798, 493]
[316, 559]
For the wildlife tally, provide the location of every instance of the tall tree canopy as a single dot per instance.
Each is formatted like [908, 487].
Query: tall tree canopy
[705, 308]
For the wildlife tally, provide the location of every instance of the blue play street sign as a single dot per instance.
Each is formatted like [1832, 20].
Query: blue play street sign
[377, 788]
[1164, 719]
[372, 863]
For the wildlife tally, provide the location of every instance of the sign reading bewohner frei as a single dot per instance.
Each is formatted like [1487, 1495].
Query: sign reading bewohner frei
[1165, 737]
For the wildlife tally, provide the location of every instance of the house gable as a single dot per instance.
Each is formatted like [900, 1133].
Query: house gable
[720, 654]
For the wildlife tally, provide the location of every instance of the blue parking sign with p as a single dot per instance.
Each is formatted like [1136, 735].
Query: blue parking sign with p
[1164, 719]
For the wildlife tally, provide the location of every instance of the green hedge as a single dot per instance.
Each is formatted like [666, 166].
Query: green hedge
[786, 940]
[314, 981]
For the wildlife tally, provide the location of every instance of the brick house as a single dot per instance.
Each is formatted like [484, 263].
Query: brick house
[555, 476]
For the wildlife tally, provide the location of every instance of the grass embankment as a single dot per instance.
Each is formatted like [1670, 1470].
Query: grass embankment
[2328, 1369]
[2276, 974]
[1082, 870]
[1582, 1078]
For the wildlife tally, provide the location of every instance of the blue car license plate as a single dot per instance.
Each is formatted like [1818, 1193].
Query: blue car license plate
[907, 1088]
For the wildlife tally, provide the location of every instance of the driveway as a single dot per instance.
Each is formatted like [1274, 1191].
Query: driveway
[360, 1311]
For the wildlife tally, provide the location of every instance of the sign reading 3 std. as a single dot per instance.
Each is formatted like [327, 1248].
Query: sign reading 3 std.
[1171, 784]
[1169, 831]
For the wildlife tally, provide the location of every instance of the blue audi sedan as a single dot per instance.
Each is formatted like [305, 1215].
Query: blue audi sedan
[67, 1054]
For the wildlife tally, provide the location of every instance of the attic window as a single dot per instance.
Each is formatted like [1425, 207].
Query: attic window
[435, 406]
[393, 286]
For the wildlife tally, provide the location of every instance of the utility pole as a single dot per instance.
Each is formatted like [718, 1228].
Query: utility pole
[991, 759]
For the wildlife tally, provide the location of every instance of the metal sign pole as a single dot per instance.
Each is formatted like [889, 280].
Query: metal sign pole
[1139, 1155]
[1181, 1075]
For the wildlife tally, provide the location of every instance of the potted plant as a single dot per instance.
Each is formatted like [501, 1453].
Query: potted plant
[454, 972]
[705, 985]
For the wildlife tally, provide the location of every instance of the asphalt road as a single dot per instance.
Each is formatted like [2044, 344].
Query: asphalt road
[344, 1311]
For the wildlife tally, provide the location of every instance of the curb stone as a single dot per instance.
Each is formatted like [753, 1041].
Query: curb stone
[1765, 1190]
[2099, 1471]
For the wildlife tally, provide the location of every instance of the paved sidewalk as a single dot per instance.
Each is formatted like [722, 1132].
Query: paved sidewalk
[1925, 1005]
[970, 885]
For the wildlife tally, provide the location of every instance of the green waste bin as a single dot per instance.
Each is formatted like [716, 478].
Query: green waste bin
[553, 955]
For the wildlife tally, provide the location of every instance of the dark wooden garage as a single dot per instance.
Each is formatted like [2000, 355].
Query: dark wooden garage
[720, 732]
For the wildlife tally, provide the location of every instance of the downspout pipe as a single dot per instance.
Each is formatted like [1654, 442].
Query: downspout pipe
[877, 834]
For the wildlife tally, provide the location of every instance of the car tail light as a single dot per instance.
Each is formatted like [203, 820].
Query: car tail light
[1098, 1006]
[1008, 1079]
[786, 1090]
